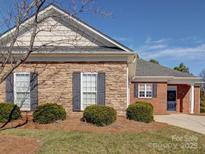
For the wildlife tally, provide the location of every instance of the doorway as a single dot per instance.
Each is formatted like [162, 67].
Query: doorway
[171, 98]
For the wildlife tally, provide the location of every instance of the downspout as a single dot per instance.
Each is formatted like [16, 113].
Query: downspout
[128, 88]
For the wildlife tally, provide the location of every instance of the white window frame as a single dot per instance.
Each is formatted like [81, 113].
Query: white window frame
[15, 91]
[145, 91]
[81, 88]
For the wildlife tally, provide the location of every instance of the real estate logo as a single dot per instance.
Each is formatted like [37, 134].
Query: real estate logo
[185, 142]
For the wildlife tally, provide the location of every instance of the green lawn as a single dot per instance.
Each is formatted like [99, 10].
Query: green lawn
[166, 140]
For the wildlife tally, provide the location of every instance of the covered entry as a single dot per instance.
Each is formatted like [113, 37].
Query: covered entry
[183, 96]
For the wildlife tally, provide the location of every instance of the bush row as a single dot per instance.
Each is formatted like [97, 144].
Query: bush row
[95, 114]
[104, 115]
[44, 114]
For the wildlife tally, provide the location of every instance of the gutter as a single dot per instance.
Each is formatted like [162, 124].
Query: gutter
[168, 79]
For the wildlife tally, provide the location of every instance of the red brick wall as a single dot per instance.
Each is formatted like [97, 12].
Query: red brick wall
[197, 99]
[183, 98]
[159, 103]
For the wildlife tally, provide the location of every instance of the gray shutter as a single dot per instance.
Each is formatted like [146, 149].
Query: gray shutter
[136, 90]
[101, 88]
[154, 89]
[10, 88]
[34, 90]
[76, 88]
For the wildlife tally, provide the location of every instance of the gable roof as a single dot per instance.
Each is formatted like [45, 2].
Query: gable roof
[99, 36]
[145, 68]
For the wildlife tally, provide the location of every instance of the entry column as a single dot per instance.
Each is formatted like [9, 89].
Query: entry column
[192, 99]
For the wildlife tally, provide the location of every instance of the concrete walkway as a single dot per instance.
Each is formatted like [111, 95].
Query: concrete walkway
[191, 122]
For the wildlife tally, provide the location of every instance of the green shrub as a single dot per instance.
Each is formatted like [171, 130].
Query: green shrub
[202, 110]
[48, 113]
[140, 111]
[202, 105]
[99, 115]
[9, 111]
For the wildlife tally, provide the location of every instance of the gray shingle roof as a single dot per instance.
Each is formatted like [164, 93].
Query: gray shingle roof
[145, 68]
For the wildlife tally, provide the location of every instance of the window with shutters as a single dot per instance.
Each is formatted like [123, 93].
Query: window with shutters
[22, 90]
[145, 90]
[88, 89]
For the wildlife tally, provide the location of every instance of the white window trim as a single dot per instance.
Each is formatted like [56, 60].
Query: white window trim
[27, 73]
[81, 87]
[145, 84]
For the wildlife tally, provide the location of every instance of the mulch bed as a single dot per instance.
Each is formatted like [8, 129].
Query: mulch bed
[18, 145]
[73, 123]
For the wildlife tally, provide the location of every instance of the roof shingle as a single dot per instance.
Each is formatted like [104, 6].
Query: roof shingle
[145, 68]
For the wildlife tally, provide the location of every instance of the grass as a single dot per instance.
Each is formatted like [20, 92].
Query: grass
[161, 141]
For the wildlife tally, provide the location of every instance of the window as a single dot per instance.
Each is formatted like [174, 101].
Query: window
[88, 89]
[145, 90]
[22, 90]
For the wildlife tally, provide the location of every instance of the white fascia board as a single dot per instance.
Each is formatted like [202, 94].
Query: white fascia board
[169, 79]
[150, 80]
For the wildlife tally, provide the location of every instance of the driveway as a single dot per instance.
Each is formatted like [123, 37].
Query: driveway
[191, 122]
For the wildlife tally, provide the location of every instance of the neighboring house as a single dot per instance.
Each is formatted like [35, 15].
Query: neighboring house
[94, 69]
[166, 89]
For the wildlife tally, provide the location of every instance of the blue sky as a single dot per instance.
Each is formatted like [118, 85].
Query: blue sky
[171, 31]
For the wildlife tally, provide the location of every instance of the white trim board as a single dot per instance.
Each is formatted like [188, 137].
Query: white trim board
[168, 79]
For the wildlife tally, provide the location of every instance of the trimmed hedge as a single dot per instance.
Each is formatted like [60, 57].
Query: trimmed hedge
[140, 111]
[49, 113]
[202, 105]
[9, 111]
[202, 110]
[99, 115]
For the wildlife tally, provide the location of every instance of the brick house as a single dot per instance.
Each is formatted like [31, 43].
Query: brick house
[94, 69]
[169, 91]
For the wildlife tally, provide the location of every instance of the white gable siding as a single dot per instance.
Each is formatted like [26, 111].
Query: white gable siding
[54, 33]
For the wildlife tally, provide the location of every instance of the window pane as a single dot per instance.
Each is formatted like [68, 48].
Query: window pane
[148, 90]
[141, 87]
[149, 94]
[22, 98]
[22, 89]
[149, 87]
[141, 90]
[142, 94]
[89, 89]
